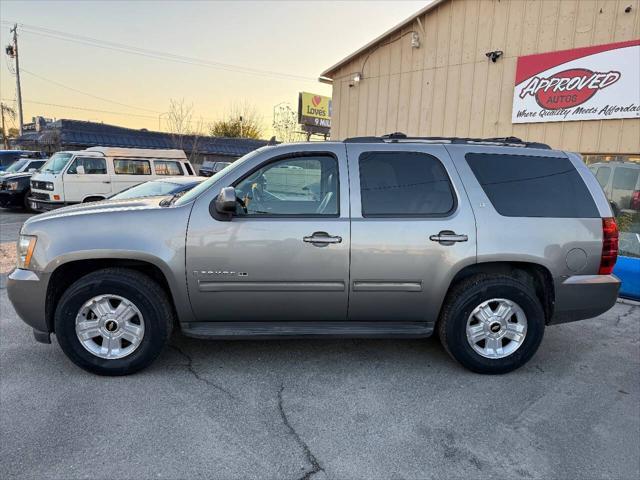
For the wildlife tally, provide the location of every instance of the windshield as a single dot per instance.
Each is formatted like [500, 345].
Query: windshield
[56, 163]
[149, 189]
[204, 186]
[15, 166]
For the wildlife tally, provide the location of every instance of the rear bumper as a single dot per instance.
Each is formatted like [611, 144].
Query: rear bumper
[584, 296]
[27, 292]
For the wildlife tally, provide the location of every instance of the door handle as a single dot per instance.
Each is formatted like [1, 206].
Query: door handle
[447, 237]
[321, 239]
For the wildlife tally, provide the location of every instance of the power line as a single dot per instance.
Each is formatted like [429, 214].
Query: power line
[159, 55]
[88, 94]
[87, 109]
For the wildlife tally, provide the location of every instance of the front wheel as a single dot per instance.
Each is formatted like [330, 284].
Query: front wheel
[113, 321]
[492, 323]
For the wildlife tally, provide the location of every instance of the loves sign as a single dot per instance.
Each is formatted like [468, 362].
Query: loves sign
[591, 83]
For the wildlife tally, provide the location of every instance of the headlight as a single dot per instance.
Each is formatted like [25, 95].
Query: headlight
[48, 185]
[26, 246]
[12, 185]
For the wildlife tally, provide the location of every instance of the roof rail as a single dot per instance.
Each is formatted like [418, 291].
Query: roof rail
[399, 137]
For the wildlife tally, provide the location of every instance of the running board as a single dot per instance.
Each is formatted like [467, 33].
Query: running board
[263, 330]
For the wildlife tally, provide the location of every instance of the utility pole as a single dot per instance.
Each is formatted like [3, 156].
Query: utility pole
[12, 51]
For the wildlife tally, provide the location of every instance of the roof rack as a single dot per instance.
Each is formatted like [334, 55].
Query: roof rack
[399, 137]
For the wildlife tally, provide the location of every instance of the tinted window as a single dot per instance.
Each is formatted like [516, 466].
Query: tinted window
[188, 167]
[132, 167]
[164, 167]
[603, 176]
[293, 186]
[528, 186]
[404, 183]
[92, 166]
[37, 164]
[625, 178]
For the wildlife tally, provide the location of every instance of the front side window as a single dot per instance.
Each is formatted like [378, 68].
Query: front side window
[603, 176]
[131, 167]
[166, 167]
[300, 186]
[92, 166]
[404, 184]
[625, 178]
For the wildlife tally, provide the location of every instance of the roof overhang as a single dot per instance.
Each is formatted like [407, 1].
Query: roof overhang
[327, 75]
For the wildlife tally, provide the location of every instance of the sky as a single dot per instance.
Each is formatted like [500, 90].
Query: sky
[61, 66]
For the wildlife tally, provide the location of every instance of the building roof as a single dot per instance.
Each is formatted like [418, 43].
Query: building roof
[327, 75]
[69, 133]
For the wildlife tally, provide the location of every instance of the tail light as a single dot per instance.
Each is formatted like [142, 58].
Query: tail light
[635, 200]
[609, 246]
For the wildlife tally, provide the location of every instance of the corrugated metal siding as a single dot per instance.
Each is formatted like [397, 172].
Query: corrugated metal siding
[449, 87]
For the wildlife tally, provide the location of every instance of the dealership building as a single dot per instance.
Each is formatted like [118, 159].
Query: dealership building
[561, 72]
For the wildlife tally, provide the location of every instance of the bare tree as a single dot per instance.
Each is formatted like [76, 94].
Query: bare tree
[11, 113]
[240, 121]
[184, 128]
[285, 124]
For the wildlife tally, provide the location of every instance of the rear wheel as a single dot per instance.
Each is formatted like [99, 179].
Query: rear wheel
[492, 323]
[113, 321]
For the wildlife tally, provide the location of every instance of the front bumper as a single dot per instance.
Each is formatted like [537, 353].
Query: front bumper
[27, 292]
[45, 205]
[11, 198]
[584, 296]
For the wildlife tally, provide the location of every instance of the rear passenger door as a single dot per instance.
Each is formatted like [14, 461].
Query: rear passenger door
[412, 229]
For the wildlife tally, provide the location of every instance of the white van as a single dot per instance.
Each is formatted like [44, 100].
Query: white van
[98, 172]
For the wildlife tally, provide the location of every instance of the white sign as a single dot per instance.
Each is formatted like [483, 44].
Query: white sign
[591, 83]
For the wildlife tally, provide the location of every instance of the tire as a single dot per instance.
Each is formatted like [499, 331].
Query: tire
[25, 201]
[456, 318]
[133, 287]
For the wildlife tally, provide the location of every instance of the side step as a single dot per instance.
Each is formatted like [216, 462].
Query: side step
[264, 330]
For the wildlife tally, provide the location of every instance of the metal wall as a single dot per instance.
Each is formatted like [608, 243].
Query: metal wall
[449, 87]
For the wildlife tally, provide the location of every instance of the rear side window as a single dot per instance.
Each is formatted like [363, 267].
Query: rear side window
[189, 169]
[404, 184]
[132, 167]
[165, 167]
[625, 178]
[36, 164]
[92, 166]
[603, 176]
[529, 186]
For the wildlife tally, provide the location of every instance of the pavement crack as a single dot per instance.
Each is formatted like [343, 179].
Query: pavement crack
[625, 315]
[192, 370]
[310, 457]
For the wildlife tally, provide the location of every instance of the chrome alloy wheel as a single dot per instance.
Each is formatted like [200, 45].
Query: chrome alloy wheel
[496, 328]
[110, 326]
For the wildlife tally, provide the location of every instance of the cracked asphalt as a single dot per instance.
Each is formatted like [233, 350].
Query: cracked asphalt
[325, 409]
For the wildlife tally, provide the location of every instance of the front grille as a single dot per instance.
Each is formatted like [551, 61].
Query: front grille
[39, 196]
[39, 185]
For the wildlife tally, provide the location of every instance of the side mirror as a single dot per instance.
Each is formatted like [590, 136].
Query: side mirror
[80, 170]
[224, 205]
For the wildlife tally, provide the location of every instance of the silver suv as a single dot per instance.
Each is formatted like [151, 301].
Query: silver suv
[483, 241]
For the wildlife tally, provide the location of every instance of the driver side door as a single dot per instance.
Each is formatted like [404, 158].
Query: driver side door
[284, 255]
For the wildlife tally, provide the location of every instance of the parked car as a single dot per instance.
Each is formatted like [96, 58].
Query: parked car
[160, 187]
[15, 183]
[483, 242]
[98, 172]
[210, 168]
[7, 157]
[23, 165]
[621, 184]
